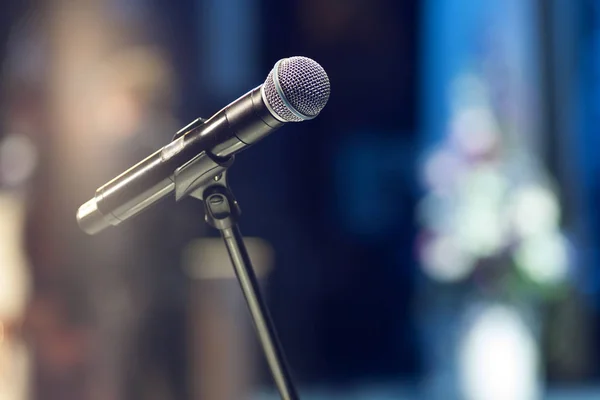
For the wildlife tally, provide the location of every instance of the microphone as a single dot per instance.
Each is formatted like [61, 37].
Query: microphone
[296, 89]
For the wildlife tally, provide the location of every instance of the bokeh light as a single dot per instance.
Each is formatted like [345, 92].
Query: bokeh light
[18, 159]
[480, 225]
[444, 260]
[534, 211]
[499, 356]
[544, 258]
[475, 131]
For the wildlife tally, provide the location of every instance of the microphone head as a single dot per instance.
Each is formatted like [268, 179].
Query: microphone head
[297, 89]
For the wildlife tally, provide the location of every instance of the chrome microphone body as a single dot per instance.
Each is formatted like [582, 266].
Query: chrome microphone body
[210, 145]
[231, 130]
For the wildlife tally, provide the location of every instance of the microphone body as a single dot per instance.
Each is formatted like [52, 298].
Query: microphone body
[296, 89]
[231, 130]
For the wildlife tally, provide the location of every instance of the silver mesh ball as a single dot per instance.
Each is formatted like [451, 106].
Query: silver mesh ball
[296, 89]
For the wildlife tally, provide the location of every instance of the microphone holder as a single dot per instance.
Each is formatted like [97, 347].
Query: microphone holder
[222, 213]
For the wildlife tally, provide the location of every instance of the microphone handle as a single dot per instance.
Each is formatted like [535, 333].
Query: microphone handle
[231, 130]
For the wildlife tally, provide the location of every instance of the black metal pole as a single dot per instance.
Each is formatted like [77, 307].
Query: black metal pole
[222, 212]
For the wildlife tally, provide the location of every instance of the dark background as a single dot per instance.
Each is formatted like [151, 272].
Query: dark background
[337, 198]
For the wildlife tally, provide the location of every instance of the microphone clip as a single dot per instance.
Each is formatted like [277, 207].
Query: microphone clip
[201, 171]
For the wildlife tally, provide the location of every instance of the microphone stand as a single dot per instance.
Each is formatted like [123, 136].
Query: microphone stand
[222, 213]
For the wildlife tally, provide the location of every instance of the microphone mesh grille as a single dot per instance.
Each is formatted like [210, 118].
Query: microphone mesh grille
[304, 85]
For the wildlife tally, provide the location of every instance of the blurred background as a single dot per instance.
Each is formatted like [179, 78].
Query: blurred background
[441, 242]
